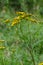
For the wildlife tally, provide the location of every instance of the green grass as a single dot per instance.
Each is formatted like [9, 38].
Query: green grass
[23, 42]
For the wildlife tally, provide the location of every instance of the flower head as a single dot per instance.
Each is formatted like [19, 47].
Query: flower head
[17, 18]
[33, 20]
[7, 21]
[20, 13]
[15, 22]
[41, 63]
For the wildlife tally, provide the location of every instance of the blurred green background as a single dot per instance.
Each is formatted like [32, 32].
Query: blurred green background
[34, 6]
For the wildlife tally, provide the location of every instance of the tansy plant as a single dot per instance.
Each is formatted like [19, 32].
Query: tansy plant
[21, 15]
[22, 42]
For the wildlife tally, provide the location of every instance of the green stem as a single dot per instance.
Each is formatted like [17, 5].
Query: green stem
[31, 52]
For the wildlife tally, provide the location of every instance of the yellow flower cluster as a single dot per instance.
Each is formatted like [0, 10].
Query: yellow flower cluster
[21, 15]
[26, 16]
[41, 63]
[33, 20]
[15, 21]
[2, 47]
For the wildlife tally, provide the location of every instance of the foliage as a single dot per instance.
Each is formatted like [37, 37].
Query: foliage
[21, 32]
[18, 5]
[22, 43]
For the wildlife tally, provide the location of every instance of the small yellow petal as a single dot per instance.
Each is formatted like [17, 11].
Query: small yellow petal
[17, 18]
[7, 21]
[20, 12]
[2, 47]
[33, 20]
[23, 16]
[14, 22]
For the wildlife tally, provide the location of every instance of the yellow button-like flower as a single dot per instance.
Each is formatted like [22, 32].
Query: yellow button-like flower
[2, 47]
[33, 20]
[7, 21]
[27, 18]
[20, 13]
[25, 15]
[17, 18]
[41, 63]
[15, 22]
